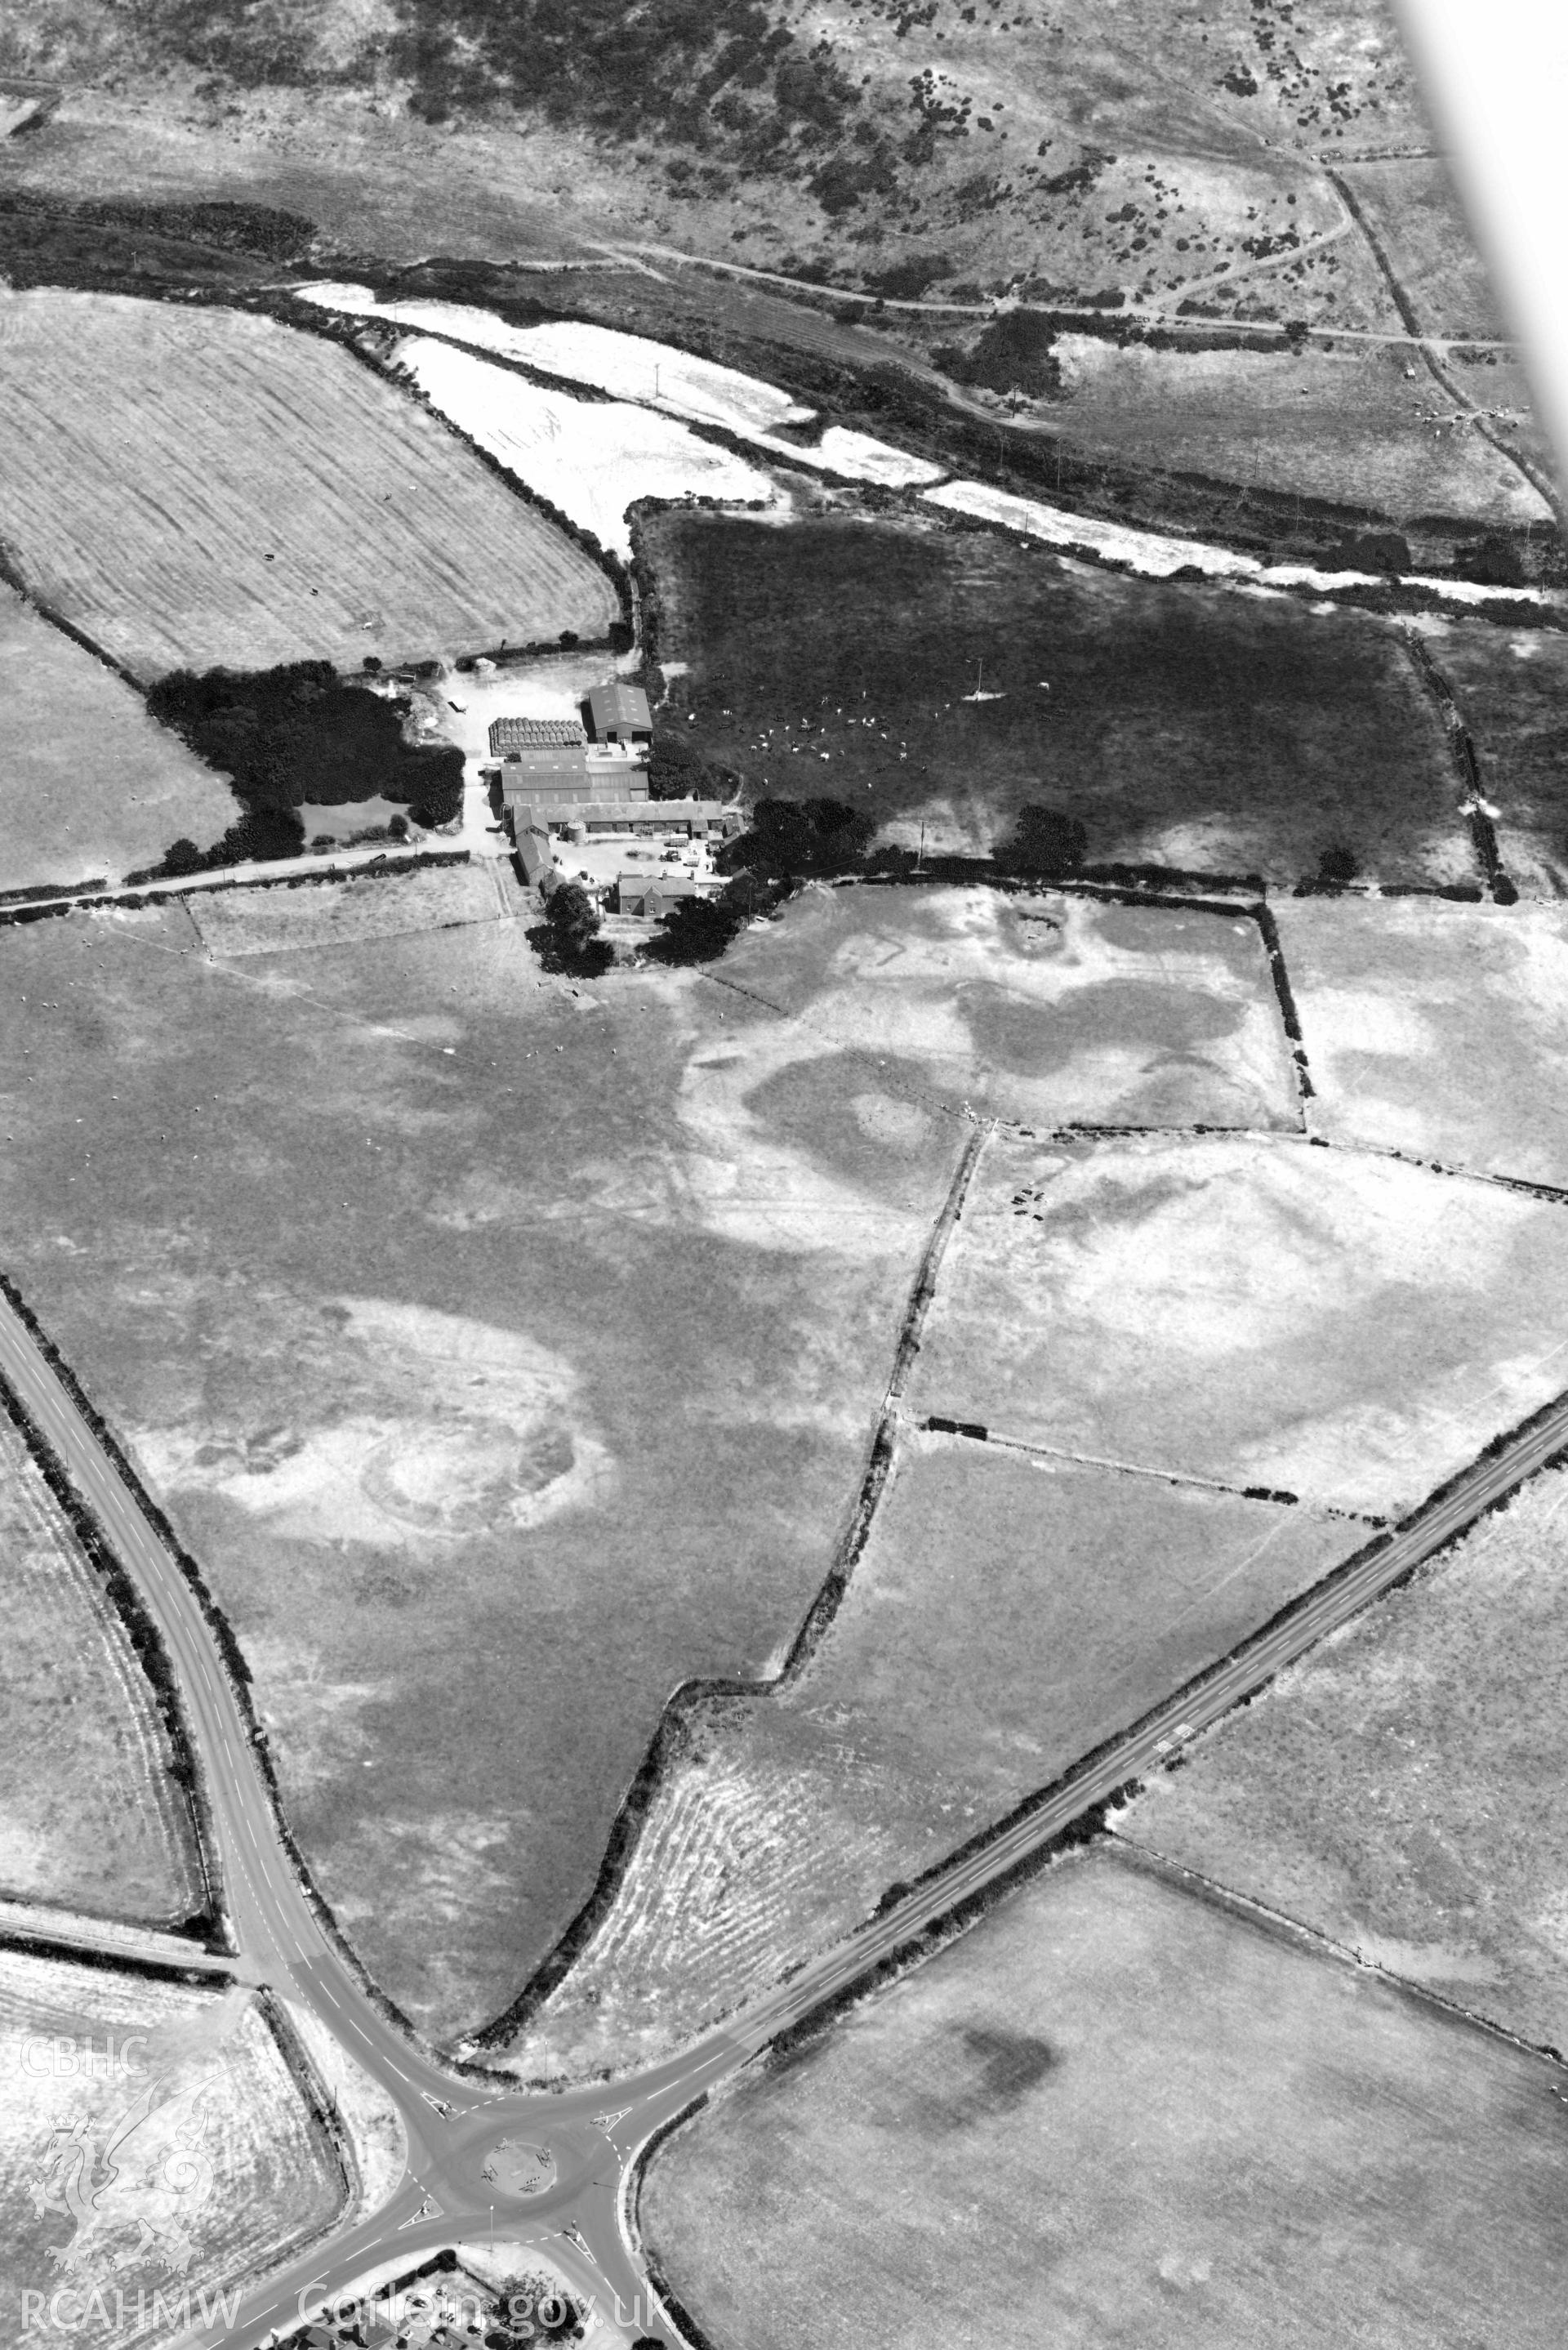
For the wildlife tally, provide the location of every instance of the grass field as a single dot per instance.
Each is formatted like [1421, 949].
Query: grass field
[1039, 1006]
[1512, 691]
[500, 1358]
[194, 487]
[91, 788]
[1182, 725]
[1115, 2112]
[89, 1816]
[1396, 1790]
[1007, 1615]
[1437, 1030]
[1346, 424]
[1342, 1326]
[217, 2164]
[345, 913]
[1413, 211]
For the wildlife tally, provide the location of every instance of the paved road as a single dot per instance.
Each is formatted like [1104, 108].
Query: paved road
[595, 2134]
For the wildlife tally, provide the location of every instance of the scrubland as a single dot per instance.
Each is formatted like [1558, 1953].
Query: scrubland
[1182, 725]
[1435, 1030]
[187, 2156]
[91, 1816]
[1343, 1326]
[1397, 1789]
[194, 487]
[1009, 1614]
[1115, 2111]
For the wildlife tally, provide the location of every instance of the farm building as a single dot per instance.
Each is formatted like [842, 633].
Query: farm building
[651, 893]
[550, 778]
[509, 736]
[620, 713]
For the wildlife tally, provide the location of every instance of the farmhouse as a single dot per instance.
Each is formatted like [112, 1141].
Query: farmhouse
[620, 713]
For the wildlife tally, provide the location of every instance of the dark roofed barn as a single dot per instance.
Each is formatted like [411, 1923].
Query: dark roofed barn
[620, 713]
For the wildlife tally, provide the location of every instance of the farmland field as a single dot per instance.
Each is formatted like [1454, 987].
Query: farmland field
[1343, 1326]
[1397, 1790]
[1115, 2112]
[556, 1371]
[1512, 691]
[1331, 424]
[89, 1816]
[537, 1368]
[591, 459]
[1414, 213]
[1182, 725]
[1039, 1006]
[197, 487]
[1007, 1615]
[1435, 1030]
[342, 913]
[92, 788]
[217, 2159]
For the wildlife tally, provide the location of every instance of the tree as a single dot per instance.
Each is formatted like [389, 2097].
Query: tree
[574, 920]
[1045, 841]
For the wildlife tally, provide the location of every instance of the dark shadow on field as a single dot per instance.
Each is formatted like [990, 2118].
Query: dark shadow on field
[1178, 723]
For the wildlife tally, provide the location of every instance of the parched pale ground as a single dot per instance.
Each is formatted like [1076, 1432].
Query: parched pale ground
[1437, 1030]
[592, 460]
[506, 1351]
[196, 486]
[319, 913]
[91, 786]
[1037, 1006]
[1343, 1327]
[1008, 1616]
[1400, 1788]
[89, 1817]
[217, 2167]
[1115, 2112]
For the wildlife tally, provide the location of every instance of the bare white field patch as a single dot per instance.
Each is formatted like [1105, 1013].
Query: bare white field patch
[592, 459]
[1439, 1030]
[282, 915]
[198, 486]
[1353, 1329]
[629, 367]
[449, 1428]
[1156, 555]
[652, 376]
[187, 2153]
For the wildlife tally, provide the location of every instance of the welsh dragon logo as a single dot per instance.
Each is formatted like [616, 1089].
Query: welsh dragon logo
[133, 2186]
